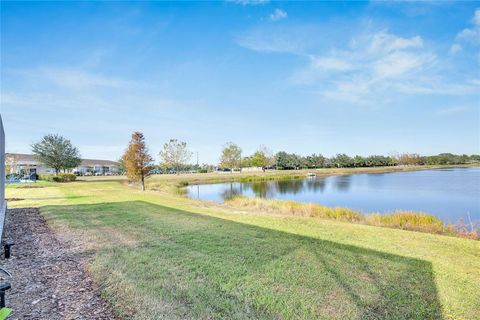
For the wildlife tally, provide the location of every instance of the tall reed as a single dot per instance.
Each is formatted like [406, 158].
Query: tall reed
[407, 220]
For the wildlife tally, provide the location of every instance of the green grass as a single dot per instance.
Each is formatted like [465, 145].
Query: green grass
[159, 255]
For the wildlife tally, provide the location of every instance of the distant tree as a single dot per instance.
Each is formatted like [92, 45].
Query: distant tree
[359, 161]
[136, 160]
[231, 156]
[262, 158]
[315, 161]
[56, 152]
[342, 161]
[121, 165]
[410, 159]
[10, 164]
[175, 154]
[281, 160]
[295, 161]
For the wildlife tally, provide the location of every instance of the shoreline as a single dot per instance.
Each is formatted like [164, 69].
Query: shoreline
[396, 219]
[183, 180]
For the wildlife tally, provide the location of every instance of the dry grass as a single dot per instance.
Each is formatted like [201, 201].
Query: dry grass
[406, 220]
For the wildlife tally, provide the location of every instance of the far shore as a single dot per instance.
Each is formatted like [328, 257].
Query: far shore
[184, 179]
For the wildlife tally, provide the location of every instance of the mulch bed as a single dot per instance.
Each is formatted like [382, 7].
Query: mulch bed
[49, 280]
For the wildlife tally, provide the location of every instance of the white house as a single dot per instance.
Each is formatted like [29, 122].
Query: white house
[26, 164]
[97, 167]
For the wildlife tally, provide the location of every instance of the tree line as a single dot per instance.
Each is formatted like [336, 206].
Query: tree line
[58, 153]
[231, 158]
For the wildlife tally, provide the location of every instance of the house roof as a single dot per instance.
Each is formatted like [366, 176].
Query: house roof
[94, 162]
[85, 162]
[20, 156]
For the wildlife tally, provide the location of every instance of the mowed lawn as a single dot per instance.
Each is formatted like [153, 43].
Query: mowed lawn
[159, 255]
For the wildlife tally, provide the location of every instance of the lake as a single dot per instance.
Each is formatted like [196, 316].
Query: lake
[450, 194]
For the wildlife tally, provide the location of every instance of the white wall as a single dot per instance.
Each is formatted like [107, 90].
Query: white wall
[3, 203]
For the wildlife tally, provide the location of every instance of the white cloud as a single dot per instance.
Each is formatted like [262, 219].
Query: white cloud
[376, 68]
[471, 35]
[476, 17]
[455, 48]
[278, 14]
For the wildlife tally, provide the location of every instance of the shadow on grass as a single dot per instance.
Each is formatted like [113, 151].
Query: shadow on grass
[208, 267]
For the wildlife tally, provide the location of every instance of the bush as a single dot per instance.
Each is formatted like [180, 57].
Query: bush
[62, 177]
[408, 220]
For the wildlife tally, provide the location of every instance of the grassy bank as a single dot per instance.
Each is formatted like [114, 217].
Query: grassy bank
[406, 220]
[160, 255]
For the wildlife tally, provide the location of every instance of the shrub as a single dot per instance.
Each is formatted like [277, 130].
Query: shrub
[62, 177]
[45, 177]
[182, 184]
[407, 220]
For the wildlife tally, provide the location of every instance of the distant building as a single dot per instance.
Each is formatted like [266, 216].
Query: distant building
[26, 164]
[252, 169]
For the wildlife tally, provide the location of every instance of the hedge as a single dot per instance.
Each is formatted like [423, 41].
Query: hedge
[61, 177]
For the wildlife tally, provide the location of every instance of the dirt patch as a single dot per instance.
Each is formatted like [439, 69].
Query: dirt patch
[49, 280]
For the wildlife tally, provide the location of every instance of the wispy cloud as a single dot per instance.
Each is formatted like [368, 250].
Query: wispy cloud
[277, 38]
[330, 63]
[452, 110]
[369, 69]
[271, 41]
[249, 2]
[76, 79]
[278, 14]
[372, 69]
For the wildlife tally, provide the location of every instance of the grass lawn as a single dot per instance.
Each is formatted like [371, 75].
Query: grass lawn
[159, 255]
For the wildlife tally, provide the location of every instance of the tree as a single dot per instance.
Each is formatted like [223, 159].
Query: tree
[231, 156]
[342, 161]
[136, 160]
[56, 152]
[121, 165]
[314, 161]
[262, 158]
[359, 161]
[10, 164]
[281, 160]
[409, 159]
[175, 154]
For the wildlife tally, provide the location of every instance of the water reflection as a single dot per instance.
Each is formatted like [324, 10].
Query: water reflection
[342, 183]
[450, 194]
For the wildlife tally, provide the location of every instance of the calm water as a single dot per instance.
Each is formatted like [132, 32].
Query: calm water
[449, 194]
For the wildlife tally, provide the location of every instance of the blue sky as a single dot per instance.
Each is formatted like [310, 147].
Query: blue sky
[325, 77]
